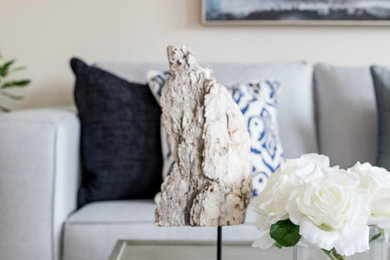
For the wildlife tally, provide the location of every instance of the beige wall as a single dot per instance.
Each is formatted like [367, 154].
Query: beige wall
[44, 34]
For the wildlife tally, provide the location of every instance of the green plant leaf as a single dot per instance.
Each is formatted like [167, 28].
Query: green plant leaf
[285, 233]
[278, 245]
[4, 69]
[11, 96]
[4, 109]
[16, 83]
[14, 70]
[19, 68]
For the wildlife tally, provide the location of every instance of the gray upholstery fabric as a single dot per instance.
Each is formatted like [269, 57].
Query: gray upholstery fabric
[381, 76]
[346, 110]
[39, 164]
[295, 107]
[92, 231]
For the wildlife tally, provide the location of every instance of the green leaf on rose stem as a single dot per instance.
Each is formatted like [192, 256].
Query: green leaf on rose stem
[333, 254]
[375, 237]
[337, 255]
[278, 245]
[16, 83]
[285, 233]
[378, 235]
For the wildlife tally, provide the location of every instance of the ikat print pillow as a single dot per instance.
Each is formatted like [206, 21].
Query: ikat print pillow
[257, 101]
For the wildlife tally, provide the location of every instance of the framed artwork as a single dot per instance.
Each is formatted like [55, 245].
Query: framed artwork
[300, 12]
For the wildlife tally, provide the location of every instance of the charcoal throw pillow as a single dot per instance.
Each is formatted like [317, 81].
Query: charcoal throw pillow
[381, 77]
[120, 136]
[257, 101]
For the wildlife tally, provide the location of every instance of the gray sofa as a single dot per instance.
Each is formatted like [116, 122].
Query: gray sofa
[322, 109]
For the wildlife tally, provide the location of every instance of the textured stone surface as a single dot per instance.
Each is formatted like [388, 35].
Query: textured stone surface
[210, 184]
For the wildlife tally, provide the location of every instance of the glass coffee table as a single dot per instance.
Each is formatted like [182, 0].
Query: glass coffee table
[193, 250]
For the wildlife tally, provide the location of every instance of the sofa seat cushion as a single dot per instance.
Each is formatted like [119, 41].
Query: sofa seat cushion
[92, 231]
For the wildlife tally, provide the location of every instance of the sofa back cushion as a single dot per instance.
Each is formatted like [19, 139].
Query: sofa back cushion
[295, 107]
[381, 77]
[346, 111]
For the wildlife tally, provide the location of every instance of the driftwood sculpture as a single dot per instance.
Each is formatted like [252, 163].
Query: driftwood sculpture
[210, 184]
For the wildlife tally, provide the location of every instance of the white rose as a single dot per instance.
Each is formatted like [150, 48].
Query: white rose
[273, 199]
[332, 212]
[270, 206]
[272, 202]
[325, 202]
[377, 181]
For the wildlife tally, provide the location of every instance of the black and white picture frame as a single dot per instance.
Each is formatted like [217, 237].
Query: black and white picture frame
[304, 12]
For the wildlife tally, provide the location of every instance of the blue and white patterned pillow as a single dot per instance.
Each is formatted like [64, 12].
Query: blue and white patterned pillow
[257, 101]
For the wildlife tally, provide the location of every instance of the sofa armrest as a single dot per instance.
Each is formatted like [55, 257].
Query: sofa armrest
[39, 178]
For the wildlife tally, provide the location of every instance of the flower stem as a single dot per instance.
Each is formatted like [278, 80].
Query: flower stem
[378, 235]
[329, 253]
[334, 255]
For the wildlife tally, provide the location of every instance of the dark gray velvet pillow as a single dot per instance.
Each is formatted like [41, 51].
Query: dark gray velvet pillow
[381, 77]
[120, 136]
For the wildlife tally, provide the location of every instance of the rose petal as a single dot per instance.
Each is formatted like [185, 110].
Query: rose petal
[315, 235]
[292, 210]
[318, 159]
[264, 241]
[354, 239]
[261, 223]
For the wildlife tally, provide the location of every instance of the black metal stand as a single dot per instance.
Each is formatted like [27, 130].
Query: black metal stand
[219, 243]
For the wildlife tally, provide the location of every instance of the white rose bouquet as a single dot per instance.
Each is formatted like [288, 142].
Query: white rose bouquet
[308, 201]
